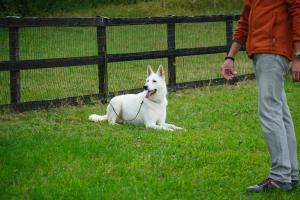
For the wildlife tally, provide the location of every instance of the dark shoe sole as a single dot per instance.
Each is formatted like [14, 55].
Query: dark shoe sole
[271, 189]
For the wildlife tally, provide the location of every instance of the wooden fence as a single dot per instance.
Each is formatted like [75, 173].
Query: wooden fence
[14, 65]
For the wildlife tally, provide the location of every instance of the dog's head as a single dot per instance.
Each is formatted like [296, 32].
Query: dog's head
[155, 83]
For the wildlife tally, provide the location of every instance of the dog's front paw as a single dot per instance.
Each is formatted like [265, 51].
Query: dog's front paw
[168, 129]
[173, 127]
[178, 128]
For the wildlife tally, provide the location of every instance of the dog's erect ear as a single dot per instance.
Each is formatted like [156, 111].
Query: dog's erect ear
[161, 71]
[149, 70]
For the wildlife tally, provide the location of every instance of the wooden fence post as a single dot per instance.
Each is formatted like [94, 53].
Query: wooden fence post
[171, 59]
[229, 32]
[102, 65]
[15, 95]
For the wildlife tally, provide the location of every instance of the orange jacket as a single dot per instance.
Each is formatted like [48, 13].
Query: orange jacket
[269, 26]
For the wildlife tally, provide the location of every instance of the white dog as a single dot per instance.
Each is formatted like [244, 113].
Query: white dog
[148, 107]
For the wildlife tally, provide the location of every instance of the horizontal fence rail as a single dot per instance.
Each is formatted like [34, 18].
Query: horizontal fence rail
[12, 21]
[89, 60]
[103, 57]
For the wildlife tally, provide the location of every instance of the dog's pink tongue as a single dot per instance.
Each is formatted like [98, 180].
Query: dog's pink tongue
[148, 94]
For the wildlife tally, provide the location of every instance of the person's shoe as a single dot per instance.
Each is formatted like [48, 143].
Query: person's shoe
[295, 184]
[269, 184]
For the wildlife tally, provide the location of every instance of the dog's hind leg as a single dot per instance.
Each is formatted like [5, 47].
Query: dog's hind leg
[113, 113]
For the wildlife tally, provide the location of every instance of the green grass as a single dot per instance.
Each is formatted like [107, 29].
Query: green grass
[58, 154]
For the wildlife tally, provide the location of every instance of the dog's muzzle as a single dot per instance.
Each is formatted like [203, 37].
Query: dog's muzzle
[150, 93]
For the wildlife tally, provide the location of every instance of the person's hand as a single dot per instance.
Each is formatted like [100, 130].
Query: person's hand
[227, 69]
[295, 70]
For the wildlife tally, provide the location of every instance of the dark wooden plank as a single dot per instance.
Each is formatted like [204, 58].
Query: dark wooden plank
[137, 56]
[15, 83]
[166, 53]
[207, 18]
[38, 22]
[200, 51]
[102, 66]
[170, 19]
[46, 104]
[73, 101]
[171, 58]
[14, 21]
[89, 60]
[212, 82]
[49, 63]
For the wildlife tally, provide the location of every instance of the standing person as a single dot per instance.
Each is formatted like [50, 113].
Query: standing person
[270, 29]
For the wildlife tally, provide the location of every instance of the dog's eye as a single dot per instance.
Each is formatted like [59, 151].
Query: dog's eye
[154, 81]
[147, 80]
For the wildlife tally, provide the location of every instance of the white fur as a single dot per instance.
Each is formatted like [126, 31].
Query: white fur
[153, 110]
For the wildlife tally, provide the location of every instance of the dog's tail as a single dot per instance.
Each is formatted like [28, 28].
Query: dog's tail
[97, 118]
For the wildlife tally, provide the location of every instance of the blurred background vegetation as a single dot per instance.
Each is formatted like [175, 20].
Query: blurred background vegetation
[118, 8]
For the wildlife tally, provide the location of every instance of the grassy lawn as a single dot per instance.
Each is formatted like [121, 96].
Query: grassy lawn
[58, 154]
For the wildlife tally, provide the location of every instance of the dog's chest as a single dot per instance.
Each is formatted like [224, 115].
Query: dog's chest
[154, 109]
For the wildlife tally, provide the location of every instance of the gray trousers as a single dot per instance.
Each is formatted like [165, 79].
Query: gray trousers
[275, 116]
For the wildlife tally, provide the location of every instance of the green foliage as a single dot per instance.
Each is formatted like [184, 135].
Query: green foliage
[211, 5]
[108, 7]
[37, 7]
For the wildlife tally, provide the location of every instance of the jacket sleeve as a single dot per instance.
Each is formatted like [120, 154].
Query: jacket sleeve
[241, 31]
[294, 11]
